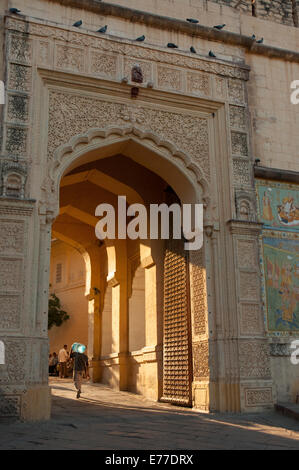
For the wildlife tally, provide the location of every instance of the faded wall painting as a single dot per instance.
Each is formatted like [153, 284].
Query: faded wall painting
[278, 205]
[278, 210]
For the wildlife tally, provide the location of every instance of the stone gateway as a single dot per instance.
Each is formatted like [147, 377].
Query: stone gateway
[91, 116]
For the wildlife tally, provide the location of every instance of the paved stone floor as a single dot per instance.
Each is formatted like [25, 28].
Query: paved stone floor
[106, 419]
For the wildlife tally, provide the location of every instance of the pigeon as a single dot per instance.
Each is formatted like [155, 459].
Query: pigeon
[172, 46]
[211, 54]
[219, 26]
[15, 11]
[253, 36]
[103, 29]
[141, 38]
[192, 20]
[192, 50]
[260, 41]
[78, 23]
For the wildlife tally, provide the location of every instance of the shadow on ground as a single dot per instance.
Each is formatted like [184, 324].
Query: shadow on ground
[110, 420]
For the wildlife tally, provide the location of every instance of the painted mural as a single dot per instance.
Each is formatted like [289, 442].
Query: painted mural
[278, 208]
[281, 267]
[278, 204]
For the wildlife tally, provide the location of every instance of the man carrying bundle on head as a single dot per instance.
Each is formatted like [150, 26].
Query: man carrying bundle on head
[80, 365]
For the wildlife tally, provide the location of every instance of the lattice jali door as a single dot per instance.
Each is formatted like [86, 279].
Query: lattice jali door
[177, 359]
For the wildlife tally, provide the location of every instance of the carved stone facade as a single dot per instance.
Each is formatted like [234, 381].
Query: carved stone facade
[69, 103]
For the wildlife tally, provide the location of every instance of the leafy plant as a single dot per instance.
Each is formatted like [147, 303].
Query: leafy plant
[56, 316]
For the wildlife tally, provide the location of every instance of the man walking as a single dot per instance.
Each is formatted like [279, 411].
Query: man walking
[63, 357]
[80, 366]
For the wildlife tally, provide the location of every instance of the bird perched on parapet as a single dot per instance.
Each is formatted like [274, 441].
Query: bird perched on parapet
[141, 38]
[78, 23]
[219, 26]
[211, 54]
[103, 29]
[256, 161]
[260, 41]
[192, 50]
[253, 36]
[15, 11]
[192, 20]
[171, 45]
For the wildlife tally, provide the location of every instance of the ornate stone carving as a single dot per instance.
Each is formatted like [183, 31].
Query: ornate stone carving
[201, 369]
[69, 58]
[15, 360]
[220, 87]
[251, 319]
[169, 78]
[11, 236]
[247, 253]
[198, 83]
[239, 143]
[9, 312]
[103, 65]
[238, 117]
[236, 91]
[242, 172]
[254, 359]
[258, 396]
[245, 205]
[71, 115]
[198, 292]
[19, 77]
[249, 286]
[17, 108]
[13, 179]
[10, 274]
[145, 52]
[43, 53]
[16, 141]
[9, 405]
[20, 48]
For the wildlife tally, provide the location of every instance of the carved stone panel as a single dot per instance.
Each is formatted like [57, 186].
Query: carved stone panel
[19, 77]
[20, 48]
[198, 83]
[69, 58]
[10, 274]
[201, 369]
[16, 141]
[247, 252]
[11, 237]
[258, 396]
[103, 64]
[10, 312]
[251, 319]
[18, 108]
[254, 359]
[9, 406]
[249, 286]
[198, 293]
[239, 143]
[170, 78]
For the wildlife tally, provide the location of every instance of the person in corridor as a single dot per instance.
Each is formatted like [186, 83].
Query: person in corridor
[80, 361]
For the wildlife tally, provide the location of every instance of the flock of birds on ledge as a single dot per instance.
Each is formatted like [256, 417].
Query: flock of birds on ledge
[171, 45]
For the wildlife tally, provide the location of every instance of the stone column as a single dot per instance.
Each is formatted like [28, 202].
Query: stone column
[24, 390]
[256, 386]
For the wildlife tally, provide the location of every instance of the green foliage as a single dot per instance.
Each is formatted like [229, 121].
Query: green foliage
[56, 316]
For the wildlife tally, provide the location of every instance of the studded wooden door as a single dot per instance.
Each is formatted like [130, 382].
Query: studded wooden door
[177, 360]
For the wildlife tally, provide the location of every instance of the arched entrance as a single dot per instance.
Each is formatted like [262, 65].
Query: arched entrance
[138, 291]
